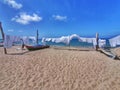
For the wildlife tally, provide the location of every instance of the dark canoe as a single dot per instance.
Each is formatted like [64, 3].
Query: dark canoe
[36, 47]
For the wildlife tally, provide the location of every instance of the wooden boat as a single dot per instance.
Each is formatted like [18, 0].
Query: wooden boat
[36, 47]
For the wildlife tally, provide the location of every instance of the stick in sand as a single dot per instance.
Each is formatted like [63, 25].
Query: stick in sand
[97, 42]
[5, 50]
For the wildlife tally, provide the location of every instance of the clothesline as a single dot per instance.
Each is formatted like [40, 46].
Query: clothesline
[10, 40]
[67, 39]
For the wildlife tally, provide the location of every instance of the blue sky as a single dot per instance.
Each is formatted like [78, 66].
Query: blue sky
[60, 17]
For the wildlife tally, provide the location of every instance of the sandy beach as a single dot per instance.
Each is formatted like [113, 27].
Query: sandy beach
[58, 69]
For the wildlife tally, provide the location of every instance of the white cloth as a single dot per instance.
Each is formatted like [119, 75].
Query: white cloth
[29, 39]
[8, 41]
[16, 38]
[114, 41]
[102, 43]
[25, 39]
[66, 40]
[32, 38]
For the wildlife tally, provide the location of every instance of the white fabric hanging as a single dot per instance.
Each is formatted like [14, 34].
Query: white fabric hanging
[114, 41]
[8, 41]
[66, 40]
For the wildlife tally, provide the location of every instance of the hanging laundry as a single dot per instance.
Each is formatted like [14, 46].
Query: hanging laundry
[8, 41]
[114, 41]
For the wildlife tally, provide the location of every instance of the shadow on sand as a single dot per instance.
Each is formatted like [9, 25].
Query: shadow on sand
[21, 53]
[74, 49]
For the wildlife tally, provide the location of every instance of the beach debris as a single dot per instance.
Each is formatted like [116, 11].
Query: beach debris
[109, 53]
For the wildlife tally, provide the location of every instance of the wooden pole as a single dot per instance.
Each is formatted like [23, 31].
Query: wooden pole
[69, 42]
[5, 50]
[37, 37]
[97, 42]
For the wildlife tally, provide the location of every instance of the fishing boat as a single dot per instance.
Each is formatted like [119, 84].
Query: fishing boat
[36, 47]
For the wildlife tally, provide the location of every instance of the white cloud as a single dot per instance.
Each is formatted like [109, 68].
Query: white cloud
[60, 18]
[10, 30]
[24, 18]
[13, 4]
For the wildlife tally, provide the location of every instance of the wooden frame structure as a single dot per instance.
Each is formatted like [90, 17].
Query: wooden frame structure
[37, 37]
[3, 36]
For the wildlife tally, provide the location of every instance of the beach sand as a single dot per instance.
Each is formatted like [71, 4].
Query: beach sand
[58, 69]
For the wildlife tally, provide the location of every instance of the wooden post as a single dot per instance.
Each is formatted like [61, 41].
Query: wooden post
[37, 37]
[5, 50]
[97, 42]
[69, 42]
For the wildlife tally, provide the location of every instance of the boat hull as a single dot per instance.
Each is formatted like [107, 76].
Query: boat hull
[32, 48]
